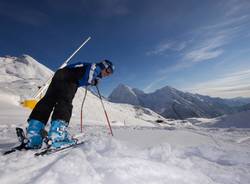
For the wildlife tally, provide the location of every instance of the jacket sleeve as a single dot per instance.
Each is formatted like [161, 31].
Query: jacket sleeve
[93, 74]
[76, 65]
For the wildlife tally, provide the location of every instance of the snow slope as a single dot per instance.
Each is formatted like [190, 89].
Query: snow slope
[145, 155]
[140, 151]
[237, 120]
[20, 76]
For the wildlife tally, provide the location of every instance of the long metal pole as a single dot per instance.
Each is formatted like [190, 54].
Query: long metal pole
[67, 60]
[46, 84]
[105, 112]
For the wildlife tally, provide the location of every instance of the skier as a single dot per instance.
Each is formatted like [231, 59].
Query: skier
[58, 99]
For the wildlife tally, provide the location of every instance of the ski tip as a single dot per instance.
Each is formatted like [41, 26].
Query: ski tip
[37, 154]
[8, 152]
[51, 150]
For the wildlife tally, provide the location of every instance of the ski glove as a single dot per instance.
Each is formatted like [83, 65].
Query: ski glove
[95, 82]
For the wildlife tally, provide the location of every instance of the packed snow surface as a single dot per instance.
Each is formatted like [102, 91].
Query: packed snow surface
[142, 151]
[136, 154]
[237, 120]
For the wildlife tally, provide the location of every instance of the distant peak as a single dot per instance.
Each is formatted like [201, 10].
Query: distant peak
[167, 88]
[26, 56]
[122, 86]
[138, 91]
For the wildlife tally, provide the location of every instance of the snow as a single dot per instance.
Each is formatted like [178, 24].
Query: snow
[119, 114]
[20, 76]
[136, 154]
[237, 120]
[141, 150]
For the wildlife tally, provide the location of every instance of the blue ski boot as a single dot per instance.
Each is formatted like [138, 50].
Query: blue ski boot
[58, 135]
[34, 134]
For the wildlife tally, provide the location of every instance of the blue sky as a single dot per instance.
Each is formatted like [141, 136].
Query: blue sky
[196, 46]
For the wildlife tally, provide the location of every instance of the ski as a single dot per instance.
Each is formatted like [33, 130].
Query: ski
[16, 148]
[22, 139]
[48, 151]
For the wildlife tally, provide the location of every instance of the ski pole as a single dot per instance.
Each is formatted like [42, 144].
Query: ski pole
[46, 84]
[105, 112]
[86, 90]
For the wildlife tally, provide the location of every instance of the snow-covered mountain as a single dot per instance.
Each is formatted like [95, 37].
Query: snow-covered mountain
[20, 78]
[173, 103]
[124, 94]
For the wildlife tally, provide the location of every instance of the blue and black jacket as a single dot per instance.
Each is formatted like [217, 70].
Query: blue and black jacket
[85, 73]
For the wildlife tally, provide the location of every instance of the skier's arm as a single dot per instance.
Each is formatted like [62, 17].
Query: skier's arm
[76, 65]
[93, 75]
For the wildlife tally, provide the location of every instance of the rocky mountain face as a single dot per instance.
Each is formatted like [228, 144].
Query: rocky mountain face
[124, 94]
[173, 103]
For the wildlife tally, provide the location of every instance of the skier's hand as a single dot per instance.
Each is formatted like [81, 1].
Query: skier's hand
[95, 82]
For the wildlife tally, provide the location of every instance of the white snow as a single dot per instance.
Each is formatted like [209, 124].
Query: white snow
[140, 152]
[135, 154]
[20, 76]
[237, 120]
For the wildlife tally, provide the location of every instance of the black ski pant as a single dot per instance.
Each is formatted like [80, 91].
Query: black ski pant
[59, 96]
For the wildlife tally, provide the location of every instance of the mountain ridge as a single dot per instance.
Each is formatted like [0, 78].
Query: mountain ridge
[173, 103]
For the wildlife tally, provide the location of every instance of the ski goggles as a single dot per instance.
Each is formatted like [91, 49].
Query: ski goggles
[109, 70]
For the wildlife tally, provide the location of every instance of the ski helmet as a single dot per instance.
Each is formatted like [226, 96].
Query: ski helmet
[106, 64]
